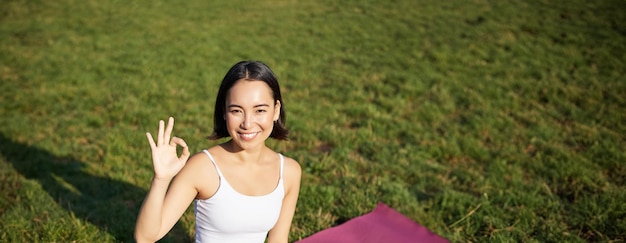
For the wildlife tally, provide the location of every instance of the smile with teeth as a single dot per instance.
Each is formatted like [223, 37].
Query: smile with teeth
[248, 136]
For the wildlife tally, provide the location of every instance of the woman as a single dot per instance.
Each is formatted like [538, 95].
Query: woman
[243, 190]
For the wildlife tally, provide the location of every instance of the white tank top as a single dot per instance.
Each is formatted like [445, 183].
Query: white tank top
[229, 216]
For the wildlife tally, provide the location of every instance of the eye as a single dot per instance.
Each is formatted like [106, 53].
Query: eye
[261, 111]
[235, 111]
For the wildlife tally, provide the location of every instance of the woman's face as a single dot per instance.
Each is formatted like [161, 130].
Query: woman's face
[250, 113]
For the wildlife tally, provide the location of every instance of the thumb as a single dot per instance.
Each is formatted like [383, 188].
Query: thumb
[185, 155]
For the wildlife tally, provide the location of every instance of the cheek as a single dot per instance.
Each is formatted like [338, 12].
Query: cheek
[232, 120]
[267, 120]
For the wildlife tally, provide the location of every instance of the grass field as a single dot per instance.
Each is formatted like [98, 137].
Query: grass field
[498, 121]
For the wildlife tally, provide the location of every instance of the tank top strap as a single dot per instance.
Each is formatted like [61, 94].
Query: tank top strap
[213, 161]
[282, 163]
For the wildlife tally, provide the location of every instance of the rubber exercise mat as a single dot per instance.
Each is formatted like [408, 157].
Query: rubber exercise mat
[384, 224]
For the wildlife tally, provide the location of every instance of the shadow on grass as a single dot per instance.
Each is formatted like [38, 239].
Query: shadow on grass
[109, 204]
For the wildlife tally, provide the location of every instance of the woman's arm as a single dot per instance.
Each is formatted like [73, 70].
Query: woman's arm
[291, 177]
[168, 207]
[162, 206]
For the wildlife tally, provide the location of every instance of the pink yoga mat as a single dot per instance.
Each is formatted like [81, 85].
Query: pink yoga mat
[384, 224]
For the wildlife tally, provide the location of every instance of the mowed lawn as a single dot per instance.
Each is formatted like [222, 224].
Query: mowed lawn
[484, 121]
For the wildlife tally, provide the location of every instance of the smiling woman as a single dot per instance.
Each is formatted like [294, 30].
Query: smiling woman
[243, 190]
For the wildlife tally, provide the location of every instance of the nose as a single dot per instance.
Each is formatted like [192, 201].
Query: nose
[247, 121]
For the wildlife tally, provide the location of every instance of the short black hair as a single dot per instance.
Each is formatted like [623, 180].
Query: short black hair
[249, 71]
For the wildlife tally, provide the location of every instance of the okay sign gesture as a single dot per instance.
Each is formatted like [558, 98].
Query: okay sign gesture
[164, 158]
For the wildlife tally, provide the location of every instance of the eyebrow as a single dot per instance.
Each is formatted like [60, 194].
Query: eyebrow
[256, 106]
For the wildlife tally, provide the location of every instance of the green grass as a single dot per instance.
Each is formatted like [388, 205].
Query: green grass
[481, 120]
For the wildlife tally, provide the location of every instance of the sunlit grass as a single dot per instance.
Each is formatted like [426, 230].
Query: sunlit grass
[481, 120]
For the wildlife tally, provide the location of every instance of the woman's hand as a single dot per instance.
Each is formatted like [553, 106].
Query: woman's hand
[164, 158]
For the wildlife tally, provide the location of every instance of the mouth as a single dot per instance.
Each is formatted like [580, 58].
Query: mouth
[248, 136]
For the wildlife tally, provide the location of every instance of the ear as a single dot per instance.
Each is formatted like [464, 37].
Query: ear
[277, 110]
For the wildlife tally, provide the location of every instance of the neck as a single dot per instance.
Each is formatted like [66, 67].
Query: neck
[252, 155]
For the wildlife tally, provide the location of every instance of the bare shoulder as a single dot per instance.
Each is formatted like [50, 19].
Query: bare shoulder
[292, 175]
[200, 172]
[197, 167]
[291, 163]
[197, 161]
[292, 168]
